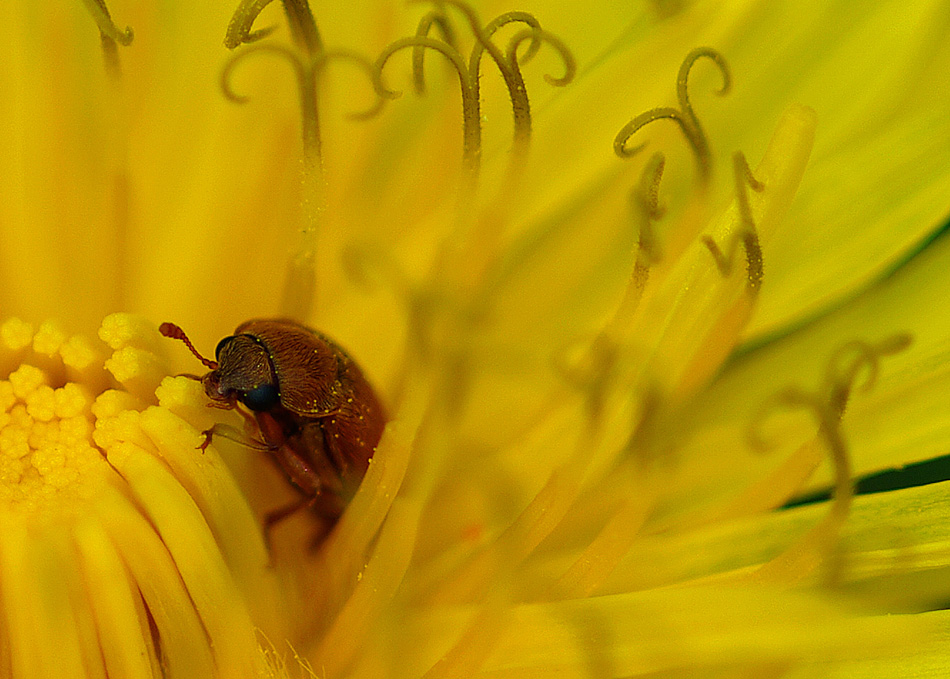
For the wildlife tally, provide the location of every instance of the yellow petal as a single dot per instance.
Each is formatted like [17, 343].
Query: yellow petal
[663, 631]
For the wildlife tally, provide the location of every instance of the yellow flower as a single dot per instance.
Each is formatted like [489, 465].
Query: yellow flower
[608, 368]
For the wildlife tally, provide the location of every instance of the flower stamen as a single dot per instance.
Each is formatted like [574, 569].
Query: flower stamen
[374, 268]
[519, 96]
[116, 146]
[593, 369]
[438, 19]
[469, 75]
[240, 29]
[471, 116]
[503, 20]
[308, 62]
[365, 65]
[864, 357]
[305, 75]
[645, 201]
[746, 234]
[110, 37]
[512, 77]
[300, 278]
[303, 27]
[300, 281]
[684, 116]
[107, 28]
[591, 372]
[827, 405]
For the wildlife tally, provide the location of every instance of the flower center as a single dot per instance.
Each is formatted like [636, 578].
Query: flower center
[48, 458]
[111, 519]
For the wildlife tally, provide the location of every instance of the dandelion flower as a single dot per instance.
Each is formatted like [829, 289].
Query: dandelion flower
[629, 279]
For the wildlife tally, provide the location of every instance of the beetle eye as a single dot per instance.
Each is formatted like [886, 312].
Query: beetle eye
[260, 398]
[217, 349]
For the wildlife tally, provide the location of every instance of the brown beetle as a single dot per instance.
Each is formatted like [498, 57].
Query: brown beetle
[316, 413]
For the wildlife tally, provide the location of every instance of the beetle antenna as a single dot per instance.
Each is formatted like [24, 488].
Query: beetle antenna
[174, 332]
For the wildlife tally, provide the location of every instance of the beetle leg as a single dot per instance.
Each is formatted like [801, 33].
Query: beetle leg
[272, 430]
[274, 517]
[327, 507]
[346, 448]
[293, 455]
[226, 431]
[310, 480]
[249, 420]
[306, 466]
[324, 505]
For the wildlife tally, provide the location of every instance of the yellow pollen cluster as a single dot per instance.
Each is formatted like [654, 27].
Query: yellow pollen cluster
[117, 538]
[47, 455]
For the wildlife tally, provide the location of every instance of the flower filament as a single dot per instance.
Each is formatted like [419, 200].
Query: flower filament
[308, 61]
[827, 404]
[684, 116]
[508, 64]
[746, 233]
[107, 28]
[303, 27]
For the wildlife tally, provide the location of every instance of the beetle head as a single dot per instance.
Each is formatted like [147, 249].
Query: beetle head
[244, 373]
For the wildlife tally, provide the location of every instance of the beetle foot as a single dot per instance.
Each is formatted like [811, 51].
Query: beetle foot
[207, 433]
